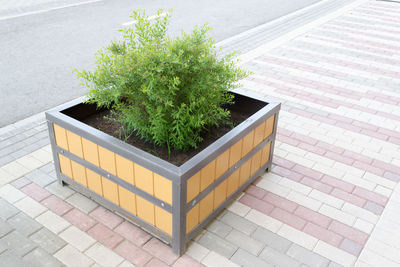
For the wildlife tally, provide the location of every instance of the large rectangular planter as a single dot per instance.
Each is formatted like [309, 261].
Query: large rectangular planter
[173, 203]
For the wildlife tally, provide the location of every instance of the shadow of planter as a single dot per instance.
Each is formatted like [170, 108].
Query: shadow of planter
[173, 203]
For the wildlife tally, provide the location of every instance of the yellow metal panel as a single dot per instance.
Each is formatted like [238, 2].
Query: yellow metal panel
[233, 182]
[222, 164]
[247, 143]
[145, 210]
[65, 165]
[220, 193]
[94, 182]
[144, 179]
[193, 187]
[265, 153]
[163, 220]
[206, 206]
[269, 126]
[256, 162]
[78, 173]
[124, 169]
[163, 188]
[127, 200]
[259, 134]
[235, 153]
[90, 152]
[110, 190]
[245, 172]
[107, 160]
[207, 175]
[192, 218]
[74, 144]
[61, 136]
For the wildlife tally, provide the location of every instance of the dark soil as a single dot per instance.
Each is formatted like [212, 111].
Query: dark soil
[178, 157]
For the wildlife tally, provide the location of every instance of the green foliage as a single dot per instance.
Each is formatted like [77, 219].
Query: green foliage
[168, 91]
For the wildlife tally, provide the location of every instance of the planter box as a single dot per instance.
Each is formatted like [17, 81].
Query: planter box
[173, 203]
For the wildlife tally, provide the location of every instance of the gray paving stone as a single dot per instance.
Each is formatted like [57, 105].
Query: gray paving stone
[334, 264]
[9, 258]
[245, 242]
[47, 240]
[373, 207]
[40, 178]
[18, 154]
[19, 244]
[306, 256]
[245, 259]
[7, 210]
[5, 160]
[29, 148]
[5, 228]
[278, 259]
[24, 224]
[217, 244]
[239, 223]
[271, 239]
[62, 192]
[48, 168]
[40, 258]
[21, 182]
[219, 228]
[81, 202]
[351, 247]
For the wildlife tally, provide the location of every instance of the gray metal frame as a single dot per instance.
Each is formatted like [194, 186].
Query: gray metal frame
[178, 175]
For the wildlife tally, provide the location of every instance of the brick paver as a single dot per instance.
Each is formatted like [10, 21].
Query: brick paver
[331, 199]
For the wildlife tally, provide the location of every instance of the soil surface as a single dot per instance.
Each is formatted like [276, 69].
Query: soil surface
[178, 157]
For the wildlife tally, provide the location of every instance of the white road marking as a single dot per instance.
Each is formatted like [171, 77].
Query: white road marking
[48, 10]
[149, 18]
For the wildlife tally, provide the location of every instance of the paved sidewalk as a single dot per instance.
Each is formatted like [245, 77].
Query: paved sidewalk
[332, 198]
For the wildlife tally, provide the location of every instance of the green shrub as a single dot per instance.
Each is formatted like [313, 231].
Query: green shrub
[168, 91]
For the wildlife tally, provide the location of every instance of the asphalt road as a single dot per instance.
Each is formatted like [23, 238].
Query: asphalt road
[39, 50]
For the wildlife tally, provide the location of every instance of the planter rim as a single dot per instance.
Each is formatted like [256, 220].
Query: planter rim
[163, 167]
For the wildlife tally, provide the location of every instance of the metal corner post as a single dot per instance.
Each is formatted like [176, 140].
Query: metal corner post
[179, 216]
[271, 153]
[53, 148]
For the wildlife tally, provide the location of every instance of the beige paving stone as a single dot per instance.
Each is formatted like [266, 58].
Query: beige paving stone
[304, 200]
[239, 208]
[327, 199]
[383, 191]
[364, 226]
[103, 255]
[336, 214]
[10, 193]
[382, 182]
[6, 177]
[264, 221]
[360, 213]
[30, 162]
[30, 207]
[77, 238]
[298, 187]
[361, 182]
[43, 155]
[275, 188]
[197, 251]
[53, 222]
[215, 260]
[334, 254]
[16, 169]
[70, 256]
[298, 237]
[126, 264]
